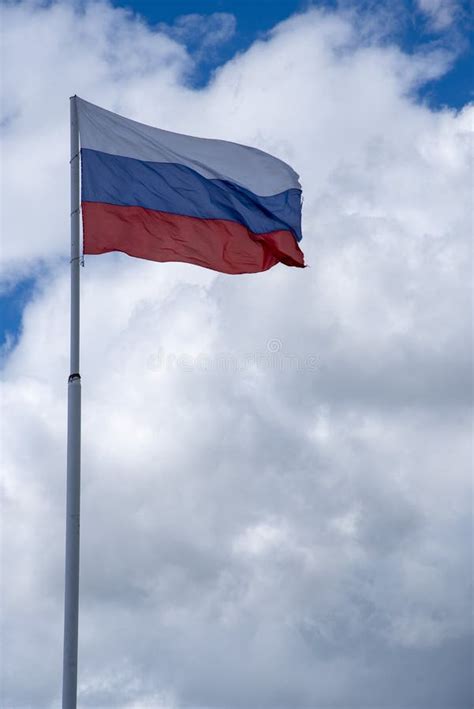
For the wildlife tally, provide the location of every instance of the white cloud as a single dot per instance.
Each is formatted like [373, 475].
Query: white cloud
[441, 13]
[202, 32]
[257, 537]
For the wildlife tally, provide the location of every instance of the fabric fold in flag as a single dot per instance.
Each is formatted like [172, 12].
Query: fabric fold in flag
[164, 196]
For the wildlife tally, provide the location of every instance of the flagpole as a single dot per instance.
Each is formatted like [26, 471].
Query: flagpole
[73, 491]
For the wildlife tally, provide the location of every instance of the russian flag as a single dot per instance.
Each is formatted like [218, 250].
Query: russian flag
[163, 196]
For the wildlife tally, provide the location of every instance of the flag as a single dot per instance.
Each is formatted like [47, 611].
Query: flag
[164, 196]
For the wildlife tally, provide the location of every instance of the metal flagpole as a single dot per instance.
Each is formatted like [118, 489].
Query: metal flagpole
[71, 588]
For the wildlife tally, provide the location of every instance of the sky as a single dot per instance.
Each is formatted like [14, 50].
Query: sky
[415, 26]
[276, 479]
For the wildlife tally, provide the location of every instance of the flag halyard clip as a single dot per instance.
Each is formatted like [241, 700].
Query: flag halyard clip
[80, 259]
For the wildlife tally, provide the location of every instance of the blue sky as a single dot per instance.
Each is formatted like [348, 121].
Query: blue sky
[410, 28]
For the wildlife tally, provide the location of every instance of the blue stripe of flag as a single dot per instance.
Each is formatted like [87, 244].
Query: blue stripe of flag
[168, 187]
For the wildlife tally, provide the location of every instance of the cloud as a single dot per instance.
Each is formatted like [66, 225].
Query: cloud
[201, 33]
[253, 536]
[440, 13]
